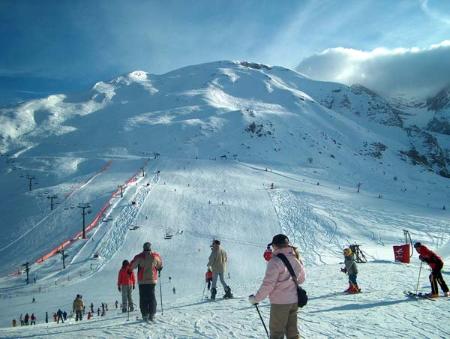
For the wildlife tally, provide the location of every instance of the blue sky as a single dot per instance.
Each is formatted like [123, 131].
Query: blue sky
[76, 43]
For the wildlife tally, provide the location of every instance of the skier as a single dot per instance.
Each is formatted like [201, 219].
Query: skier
[64, 314]
[21, 319]
[92, 307]
[33, 319]
[14, 323]
[126, 284]
[78, 307]
[89, 316]
[281, 289]
[208, 278]
[59, 316]
[117, 304]
[26, 319]
[217, 263]
[352, 270]
[435, 262]
[149, 264]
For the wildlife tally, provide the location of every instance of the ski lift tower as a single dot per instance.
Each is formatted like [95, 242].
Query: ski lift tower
[84, 207]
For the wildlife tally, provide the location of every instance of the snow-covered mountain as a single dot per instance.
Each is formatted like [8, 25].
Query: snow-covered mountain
[195, 152]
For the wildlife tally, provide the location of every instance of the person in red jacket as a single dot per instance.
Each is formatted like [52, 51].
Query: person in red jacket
[208, 278]
[149, 264]
[126, 284]
[435, 262]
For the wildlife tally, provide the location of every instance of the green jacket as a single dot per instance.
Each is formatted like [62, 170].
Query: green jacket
[350, 264]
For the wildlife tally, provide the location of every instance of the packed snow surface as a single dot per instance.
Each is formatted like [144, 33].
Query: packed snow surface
[231, 151]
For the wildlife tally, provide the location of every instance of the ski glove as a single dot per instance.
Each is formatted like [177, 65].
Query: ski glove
[344, 270]
[252, 300]
[134, 287]
[118, 287]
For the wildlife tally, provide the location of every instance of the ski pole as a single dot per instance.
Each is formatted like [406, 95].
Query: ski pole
[420, 270]
[262, 320]
[203, 293]
[160, 292]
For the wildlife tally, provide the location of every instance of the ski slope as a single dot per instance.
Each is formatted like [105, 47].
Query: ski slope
[211, 140]
[294, 207]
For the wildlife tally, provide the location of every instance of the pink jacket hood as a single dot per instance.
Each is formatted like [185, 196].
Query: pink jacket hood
[277, 283]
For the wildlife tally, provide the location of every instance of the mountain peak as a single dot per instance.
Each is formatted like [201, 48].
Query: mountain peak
[440, 101]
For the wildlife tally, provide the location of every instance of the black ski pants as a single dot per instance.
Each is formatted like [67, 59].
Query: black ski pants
[435, 279]
[147, 300]
[78, 315]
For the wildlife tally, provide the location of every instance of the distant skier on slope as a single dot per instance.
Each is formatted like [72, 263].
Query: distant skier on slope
[279, 286]
[126, 284]
[435, 262]
[78, 307]
[217, 263]
[148, 264]
[352, 270]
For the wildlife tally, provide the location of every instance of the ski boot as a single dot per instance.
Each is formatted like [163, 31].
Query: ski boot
[349, 288]
[213, 293]
[228, 294]
[432, 295]
[354, 289]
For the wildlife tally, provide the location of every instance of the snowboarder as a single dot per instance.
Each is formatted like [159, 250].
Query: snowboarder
[126, 284]
[352, 270]
[208, 278]
[78, 307]
[435, 262]
[148, 264]
[217, 263]
[281, 289]
[33, 319]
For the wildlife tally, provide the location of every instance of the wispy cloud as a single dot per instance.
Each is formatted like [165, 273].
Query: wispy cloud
[437, 14]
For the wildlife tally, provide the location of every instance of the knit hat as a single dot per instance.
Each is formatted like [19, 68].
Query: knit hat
[147, 246]
[280, 240]
[125, 263]
[417, 244]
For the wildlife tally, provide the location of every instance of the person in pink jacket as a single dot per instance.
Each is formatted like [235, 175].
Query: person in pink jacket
[279, 286]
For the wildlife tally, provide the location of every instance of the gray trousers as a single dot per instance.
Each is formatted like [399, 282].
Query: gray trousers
[283, 321]
[222, 280]
[127, 300]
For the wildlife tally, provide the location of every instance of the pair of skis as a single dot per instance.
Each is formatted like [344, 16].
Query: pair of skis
[419, 295]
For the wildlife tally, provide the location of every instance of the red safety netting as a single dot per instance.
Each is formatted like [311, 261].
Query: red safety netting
[94, 223]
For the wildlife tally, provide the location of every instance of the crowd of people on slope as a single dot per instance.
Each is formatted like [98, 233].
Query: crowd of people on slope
[284, 273]
[78, 311]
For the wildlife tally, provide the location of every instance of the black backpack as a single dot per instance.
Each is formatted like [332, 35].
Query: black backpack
[301, 293]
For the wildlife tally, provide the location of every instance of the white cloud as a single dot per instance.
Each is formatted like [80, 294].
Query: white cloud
[413, 71]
